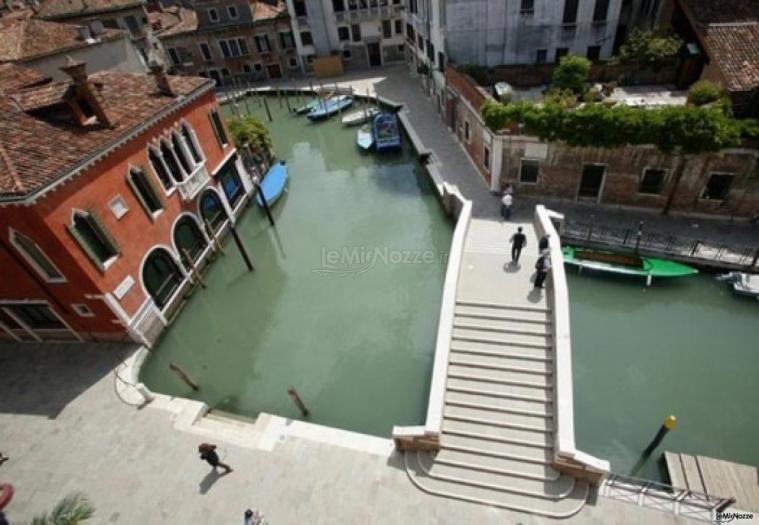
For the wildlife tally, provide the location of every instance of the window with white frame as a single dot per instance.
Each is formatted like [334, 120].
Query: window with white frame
[467, 132]
[529, 171]
[293, 62]
[159, 168]
[232, 12]
[174, 55]
[146, 193]
[257, 67]
[218, 127]
[94, 238]
[36, 257]
[287, 40]
[233, 47]
[171, 161]
[191, 140]
[213, 14]
[343, 33]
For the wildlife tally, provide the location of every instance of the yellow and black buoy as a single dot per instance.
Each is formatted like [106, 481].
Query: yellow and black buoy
[670, 422]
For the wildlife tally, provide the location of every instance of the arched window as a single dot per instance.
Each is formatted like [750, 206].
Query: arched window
[36, 257]
[159, 168]
[189, 138]
[171, 162]
[212, 210]
[188, 239]
[186, 163]
[94, 238]
[144, 191]
[161, 276]
[231, 183]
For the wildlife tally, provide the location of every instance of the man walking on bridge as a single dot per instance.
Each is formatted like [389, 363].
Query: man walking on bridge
[518, 241]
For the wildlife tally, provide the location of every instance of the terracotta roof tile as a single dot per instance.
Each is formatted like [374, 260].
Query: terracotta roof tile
[65, 8]
[723, 11]
[14, 77]
[37, 149]
[32, 38]
[173, 21]
[735, 50]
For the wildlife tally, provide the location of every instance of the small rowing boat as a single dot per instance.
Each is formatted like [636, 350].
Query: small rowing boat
[625, 264]
[312, 104]
[330, 106]
[273, 184]
[365, 138]
[360, 116]
[386, 133]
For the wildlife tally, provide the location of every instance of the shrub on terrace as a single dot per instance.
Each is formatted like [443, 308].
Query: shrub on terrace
[571, 74]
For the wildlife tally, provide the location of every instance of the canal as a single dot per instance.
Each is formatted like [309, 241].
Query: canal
[344, 302]
[687, 347]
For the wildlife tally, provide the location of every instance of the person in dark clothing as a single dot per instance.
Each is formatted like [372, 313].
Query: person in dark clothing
[543, 244]
[208, 454]
[518, 241]
[541, 270]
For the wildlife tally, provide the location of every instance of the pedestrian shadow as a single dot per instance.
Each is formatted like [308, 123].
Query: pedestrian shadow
[535, 295]
[207, 482]
[512, 267]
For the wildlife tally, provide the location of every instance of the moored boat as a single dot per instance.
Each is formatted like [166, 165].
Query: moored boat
[625, 264]
[330, 106]
[386, 132]
[365, 138]
[360, 116]
[273, 183]
[742, 283]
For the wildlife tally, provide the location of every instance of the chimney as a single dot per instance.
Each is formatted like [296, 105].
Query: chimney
[87, 100]
[84, 33]
[158, 70]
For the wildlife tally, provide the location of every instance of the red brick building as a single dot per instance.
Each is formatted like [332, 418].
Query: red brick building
[109, 184]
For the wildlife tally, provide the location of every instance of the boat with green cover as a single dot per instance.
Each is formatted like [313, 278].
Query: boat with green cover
[623, 263]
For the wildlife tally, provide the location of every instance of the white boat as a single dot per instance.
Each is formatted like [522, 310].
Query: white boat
[365, 138]
[743, 283]
[360, 116]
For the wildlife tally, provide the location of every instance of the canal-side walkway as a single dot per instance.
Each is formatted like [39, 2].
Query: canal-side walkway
[497, 440]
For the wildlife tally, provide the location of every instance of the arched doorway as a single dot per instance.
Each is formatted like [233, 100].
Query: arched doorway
[188, 239]
[212, 210]
[161, 276]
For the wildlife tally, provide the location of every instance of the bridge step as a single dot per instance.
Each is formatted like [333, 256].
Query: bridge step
[528, 438]
[497, 417]
[525, 453]
[496, 350]
[501, 363]
[475, 385]
[498, 376]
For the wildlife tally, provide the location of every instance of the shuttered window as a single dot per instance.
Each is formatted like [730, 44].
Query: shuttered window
[94, 238]
[144, 191]
[218, 127]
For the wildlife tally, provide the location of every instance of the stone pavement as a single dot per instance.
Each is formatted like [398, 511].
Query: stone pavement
[65, 430]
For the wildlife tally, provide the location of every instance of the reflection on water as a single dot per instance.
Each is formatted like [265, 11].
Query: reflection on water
[686, 347]
[358, 348]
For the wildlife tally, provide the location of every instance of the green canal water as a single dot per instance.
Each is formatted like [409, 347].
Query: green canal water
[344, 302]
[687, 347]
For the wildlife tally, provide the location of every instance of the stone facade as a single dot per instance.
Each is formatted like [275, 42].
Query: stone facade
[720, 185]
[365, 33]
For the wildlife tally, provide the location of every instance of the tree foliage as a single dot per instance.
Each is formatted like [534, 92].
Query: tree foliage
[571, 74]
[705, 92]
[693, 129]
[71, 510]
[251, 130]
[646, 48]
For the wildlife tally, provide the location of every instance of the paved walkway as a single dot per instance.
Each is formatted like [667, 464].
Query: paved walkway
[66, 430]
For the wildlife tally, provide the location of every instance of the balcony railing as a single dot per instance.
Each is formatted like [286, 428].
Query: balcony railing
[195, 182]
[368, 13]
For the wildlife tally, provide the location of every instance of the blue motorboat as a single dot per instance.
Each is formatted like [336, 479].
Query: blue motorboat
[309, 106]
[365, 138]
[330, 106]
[273, 184]
[386, 132]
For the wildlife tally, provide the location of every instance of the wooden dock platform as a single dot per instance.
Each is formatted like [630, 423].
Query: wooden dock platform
[715, 477]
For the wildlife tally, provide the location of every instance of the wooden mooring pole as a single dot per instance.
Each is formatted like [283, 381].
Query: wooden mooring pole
[298, 401]
[193, 269]
[240, 247]
[266, 105]
[213, 237]
[264, 203]
[184, 376]
[639, 235]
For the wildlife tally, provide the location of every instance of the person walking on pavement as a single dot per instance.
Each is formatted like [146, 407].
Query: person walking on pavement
[208, 454]
[542, 266]
[506, 203]
[518, 241]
